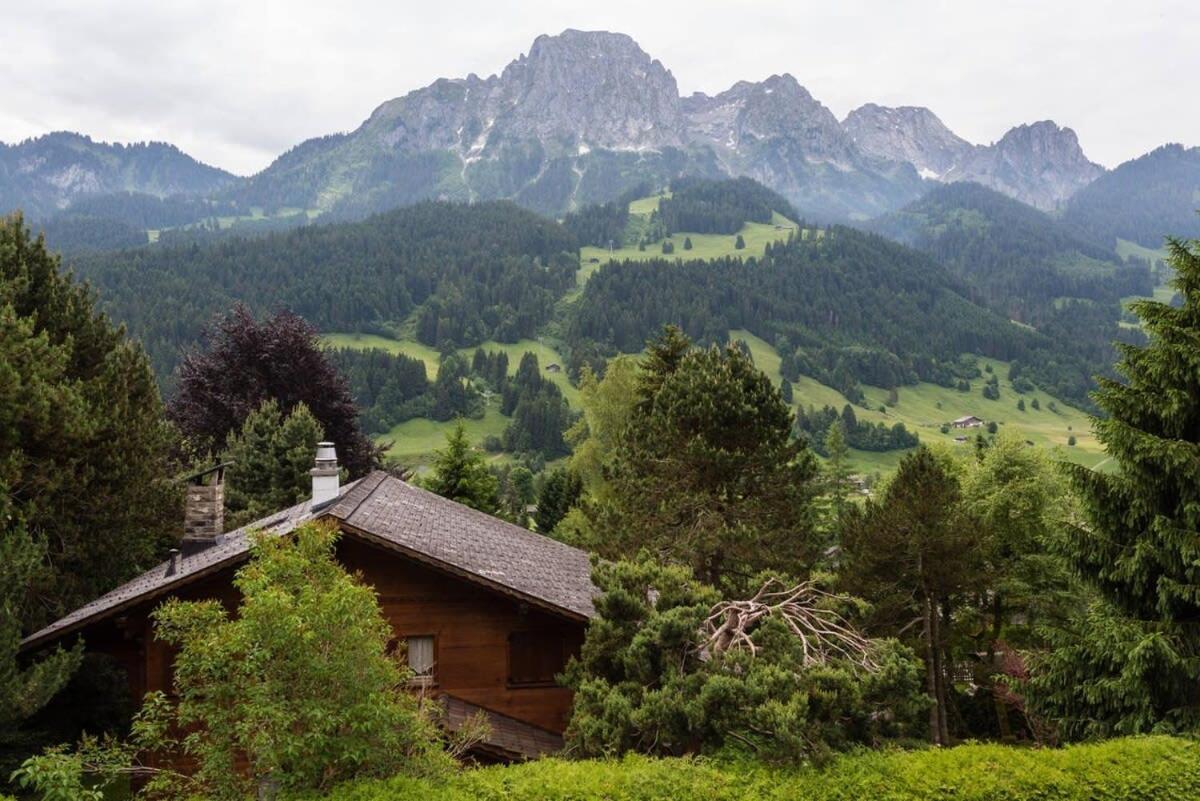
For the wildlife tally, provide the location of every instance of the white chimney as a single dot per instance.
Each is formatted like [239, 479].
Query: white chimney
[324, 475]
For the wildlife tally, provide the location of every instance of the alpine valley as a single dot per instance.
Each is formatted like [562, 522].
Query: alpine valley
[880, 261]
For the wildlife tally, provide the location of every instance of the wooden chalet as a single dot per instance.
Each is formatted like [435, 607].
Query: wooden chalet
[970, 421]
[488, 612]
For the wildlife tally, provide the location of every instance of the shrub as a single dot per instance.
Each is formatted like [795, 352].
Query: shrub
[1131, 769]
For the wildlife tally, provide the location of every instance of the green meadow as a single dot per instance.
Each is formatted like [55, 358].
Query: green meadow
[925, 407]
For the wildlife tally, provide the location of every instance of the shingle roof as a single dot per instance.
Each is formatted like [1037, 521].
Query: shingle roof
[391, 513]
[507, 737]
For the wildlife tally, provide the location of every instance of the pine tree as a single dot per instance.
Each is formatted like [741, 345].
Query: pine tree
[913, 553]
[561, 490]
[739, 243]
[272, 456]
[837, 469]
[24, 688]
[706, 472]
[786, 392]
[84, 446]
[461, 474]
[1141, 546]
[687, 243]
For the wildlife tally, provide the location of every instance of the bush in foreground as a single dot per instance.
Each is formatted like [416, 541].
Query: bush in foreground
[1130, 769]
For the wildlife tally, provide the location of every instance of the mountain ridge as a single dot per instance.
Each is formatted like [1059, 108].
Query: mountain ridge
[42, 175]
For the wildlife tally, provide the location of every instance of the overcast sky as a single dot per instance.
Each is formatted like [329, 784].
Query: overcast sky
[236, 82]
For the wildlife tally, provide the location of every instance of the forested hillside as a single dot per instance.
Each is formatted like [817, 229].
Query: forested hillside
[848, 307]
[1012, 256]
[1143, 200]
[469, 273]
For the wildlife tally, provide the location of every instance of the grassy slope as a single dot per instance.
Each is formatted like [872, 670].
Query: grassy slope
[919, 411]
[414, 441]
[704, 246]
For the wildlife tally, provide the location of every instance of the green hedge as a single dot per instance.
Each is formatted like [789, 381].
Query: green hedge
[1131, 769]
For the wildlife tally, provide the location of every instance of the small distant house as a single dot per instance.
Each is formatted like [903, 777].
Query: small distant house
[970, 421]
[553, 368]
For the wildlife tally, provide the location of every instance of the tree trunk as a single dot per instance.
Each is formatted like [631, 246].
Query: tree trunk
[932, 670]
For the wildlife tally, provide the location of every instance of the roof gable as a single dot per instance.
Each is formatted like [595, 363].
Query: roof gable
[386, 511]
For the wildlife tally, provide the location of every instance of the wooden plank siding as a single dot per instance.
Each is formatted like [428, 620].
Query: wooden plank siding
[471, 626]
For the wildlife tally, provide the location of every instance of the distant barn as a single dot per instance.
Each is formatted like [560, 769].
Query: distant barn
[970, 421]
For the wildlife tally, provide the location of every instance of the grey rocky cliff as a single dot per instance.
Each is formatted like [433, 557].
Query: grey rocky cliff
[585, 116]
[913, 134]
[1040, 164]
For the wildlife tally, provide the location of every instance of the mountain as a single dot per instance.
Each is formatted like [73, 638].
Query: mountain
[582, 118]
[1143, 200]
[846, 307]
[1040, 164]
[1012, 256]
[910, 134]
[460, 274]
[44, 175]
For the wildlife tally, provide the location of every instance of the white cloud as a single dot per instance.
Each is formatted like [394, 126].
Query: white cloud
[236, 83]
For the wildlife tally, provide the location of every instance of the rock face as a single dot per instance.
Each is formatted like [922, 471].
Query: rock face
[586, 116]
[1040, 164]
[581, 118]
[44, 175]
[907, 133]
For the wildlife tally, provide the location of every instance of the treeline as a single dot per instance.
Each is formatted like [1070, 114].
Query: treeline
[1011, 256]
[471, 273]
[1142, 200]
[846, 304]
[700, 205]
[391, 388]
[813, 424]
[603, 224]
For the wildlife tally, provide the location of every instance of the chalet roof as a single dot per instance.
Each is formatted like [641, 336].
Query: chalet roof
[968, 418]
[395, 515]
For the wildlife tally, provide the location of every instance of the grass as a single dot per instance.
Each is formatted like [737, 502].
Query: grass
[704, 246]
[1125, 249]
[414, 441]
[925, 407]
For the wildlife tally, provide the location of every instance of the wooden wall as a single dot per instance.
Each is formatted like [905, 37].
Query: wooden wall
[471, 626]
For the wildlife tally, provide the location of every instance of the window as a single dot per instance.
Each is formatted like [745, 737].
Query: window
[420, 659]
[535, 657]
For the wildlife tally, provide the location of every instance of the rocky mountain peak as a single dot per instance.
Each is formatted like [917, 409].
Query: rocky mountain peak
[599, 86]
[1041, 164]
[906, 133]
[778, 108]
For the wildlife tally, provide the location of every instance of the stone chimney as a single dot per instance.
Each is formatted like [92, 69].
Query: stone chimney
[204, 513]
[324, 476]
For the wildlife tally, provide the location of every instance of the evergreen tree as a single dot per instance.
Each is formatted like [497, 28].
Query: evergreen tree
[786, 392]
[1140, 548]
[272, 456]
[837, 469]
[913, 554]
[706, 472]
[560, 491]
[24, 688]
[85, 469]
[516, 494]
[687, 243]
[739, 243]
[461, 474]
